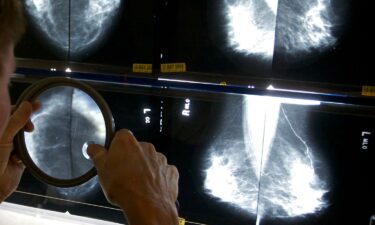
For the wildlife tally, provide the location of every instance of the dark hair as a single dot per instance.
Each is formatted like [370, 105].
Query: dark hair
[12, 22]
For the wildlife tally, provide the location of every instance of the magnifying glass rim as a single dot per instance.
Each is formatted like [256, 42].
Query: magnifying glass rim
[30, 94]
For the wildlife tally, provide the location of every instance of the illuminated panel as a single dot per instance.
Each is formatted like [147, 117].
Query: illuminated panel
[271, 171]
[18, 215]
[88, 24]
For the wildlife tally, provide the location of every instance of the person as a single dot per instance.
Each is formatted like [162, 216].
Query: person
[132, 174]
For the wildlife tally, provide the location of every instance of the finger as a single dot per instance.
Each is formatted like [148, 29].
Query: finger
[149, 149]
[172, 172]
[14, 178]
[5, 150]
[162, 159]
[98, 155]
[36, 106]
[124, 141]
[29, 127]
[17, 121]
[17, 161]
[172, 178]
[125, 136]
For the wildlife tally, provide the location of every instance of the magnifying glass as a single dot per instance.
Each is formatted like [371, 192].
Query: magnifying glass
[73, 116]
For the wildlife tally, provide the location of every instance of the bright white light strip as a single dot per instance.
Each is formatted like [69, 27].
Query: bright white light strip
[13, 214]
[295, 101]
[184, 81]
[291, 90]
[277, 99]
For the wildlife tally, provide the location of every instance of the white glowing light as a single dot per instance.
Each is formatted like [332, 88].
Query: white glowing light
[184, 81]
[272, 174]
[295, 91]
[251, 26]
[294, 101]
[68, 70]
[89, 22]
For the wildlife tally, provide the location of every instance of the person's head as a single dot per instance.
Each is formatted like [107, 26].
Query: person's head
[11, 29]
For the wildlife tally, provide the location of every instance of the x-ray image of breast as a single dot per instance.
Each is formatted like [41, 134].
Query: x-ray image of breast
[306, 26]
[295, 28]
[69, 118]
[251, 26]
[77, 193]
[77, 26]
[262, 163]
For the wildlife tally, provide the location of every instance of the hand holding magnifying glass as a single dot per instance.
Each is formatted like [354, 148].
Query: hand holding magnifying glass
[133, 174]
[137, 178]
[11, 167]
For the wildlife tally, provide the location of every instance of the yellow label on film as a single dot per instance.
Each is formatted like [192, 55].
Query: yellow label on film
[368, 90]
[142, 68]
[181, 221]
[173, 67]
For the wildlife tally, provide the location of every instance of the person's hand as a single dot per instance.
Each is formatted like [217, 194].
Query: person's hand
[138, 179]
[11, 167]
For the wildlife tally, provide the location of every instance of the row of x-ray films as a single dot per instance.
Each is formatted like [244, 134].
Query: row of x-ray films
[243, 159]
[314, 40]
